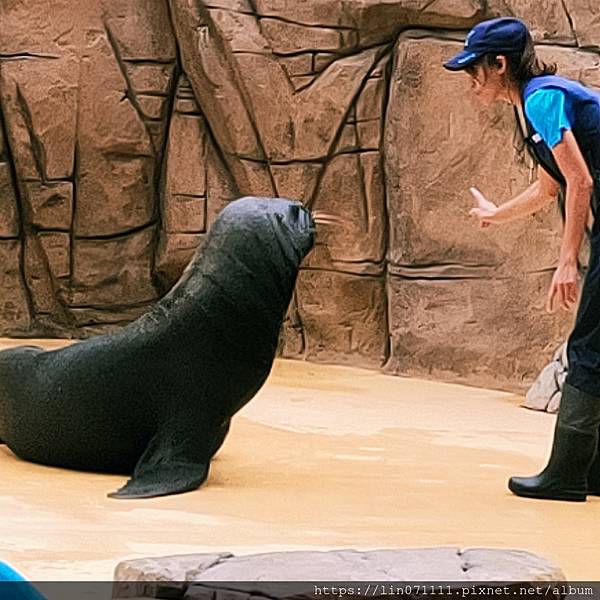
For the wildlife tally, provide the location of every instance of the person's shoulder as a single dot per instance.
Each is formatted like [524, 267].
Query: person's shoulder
[544, 99]
[570, 87]
[547, 81]
[545, 110]
[545, 93]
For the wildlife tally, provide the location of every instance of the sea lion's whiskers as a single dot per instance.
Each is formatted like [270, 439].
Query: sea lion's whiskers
[325, 218]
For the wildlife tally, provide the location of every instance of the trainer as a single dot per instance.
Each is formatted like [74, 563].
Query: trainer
[560, 120]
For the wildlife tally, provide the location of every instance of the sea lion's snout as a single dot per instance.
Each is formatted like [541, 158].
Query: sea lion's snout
[302, 216]
[305, 218]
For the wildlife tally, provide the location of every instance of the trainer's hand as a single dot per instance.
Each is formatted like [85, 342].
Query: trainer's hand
[564, 287]
[485, 210]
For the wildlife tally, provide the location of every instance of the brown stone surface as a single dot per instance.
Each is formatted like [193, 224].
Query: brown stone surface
[586, 22]
[472, 330]
[51, 204]
[343, 317]
[125, 126]
[57, 246]
[116, 164]
[39, 279]
[184, 207]
[39, 99]
[15, 316]
[255, 574]
[114, 271]
[352, 188]
[8, 203]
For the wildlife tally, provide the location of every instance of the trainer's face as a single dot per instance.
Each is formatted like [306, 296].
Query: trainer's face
[488, 82]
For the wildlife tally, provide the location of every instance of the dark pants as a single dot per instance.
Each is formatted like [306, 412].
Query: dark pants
[584, 342]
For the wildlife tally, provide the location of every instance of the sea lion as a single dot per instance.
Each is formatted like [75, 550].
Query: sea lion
[155, 398]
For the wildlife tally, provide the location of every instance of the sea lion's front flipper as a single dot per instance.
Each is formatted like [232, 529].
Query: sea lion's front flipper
[162, 480]
[171, 464]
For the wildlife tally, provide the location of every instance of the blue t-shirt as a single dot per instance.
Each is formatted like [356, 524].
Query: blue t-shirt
[545, 109]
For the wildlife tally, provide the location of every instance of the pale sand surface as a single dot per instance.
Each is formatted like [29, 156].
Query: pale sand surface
[323, 458]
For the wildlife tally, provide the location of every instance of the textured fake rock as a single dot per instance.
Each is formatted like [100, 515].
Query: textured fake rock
[39, 98]
[586, 22]
[298, 125]
[546, 391]
[362, 23]
[83, 96]
[343, 317]
[14, 309]
[8, 206]
[116, 268]
[256, 575]
[184, 209]
[468, 330]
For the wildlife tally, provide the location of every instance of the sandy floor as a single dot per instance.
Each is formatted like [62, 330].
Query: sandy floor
[324, 457]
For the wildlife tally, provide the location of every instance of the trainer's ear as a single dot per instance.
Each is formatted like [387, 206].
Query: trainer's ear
[501, 64]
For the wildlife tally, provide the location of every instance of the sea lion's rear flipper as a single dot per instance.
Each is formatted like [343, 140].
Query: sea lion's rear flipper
[171, 464]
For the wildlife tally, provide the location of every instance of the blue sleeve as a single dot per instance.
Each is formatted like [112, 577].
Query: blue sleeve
[545, 109]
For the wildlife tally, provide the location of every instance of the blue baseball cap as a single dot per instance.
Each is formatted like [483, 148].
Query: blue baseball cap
[496, 36]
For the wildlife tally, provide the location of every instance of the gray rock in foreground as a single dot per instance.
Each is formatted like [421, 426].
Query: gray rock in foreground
[546, 392]
[194, 576]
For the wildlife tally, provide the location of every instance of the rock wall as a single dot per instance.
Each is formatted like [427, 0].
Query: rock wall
[126, 125]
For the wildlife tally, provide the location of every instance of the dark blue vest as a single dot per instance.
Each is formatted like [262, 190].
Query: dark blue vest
[583, 111]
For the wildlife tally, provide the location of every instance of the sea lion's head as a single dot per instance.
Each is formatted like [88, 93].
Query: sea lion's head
[274, 230]
[248, 266]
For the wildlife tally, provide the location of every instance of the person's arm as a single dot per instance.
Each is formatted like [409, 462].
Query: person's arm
[535, 197]
[580, 185]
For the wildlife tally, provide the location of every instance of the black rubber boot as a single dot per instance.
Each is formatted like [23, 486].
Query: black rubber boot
[573, 451]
